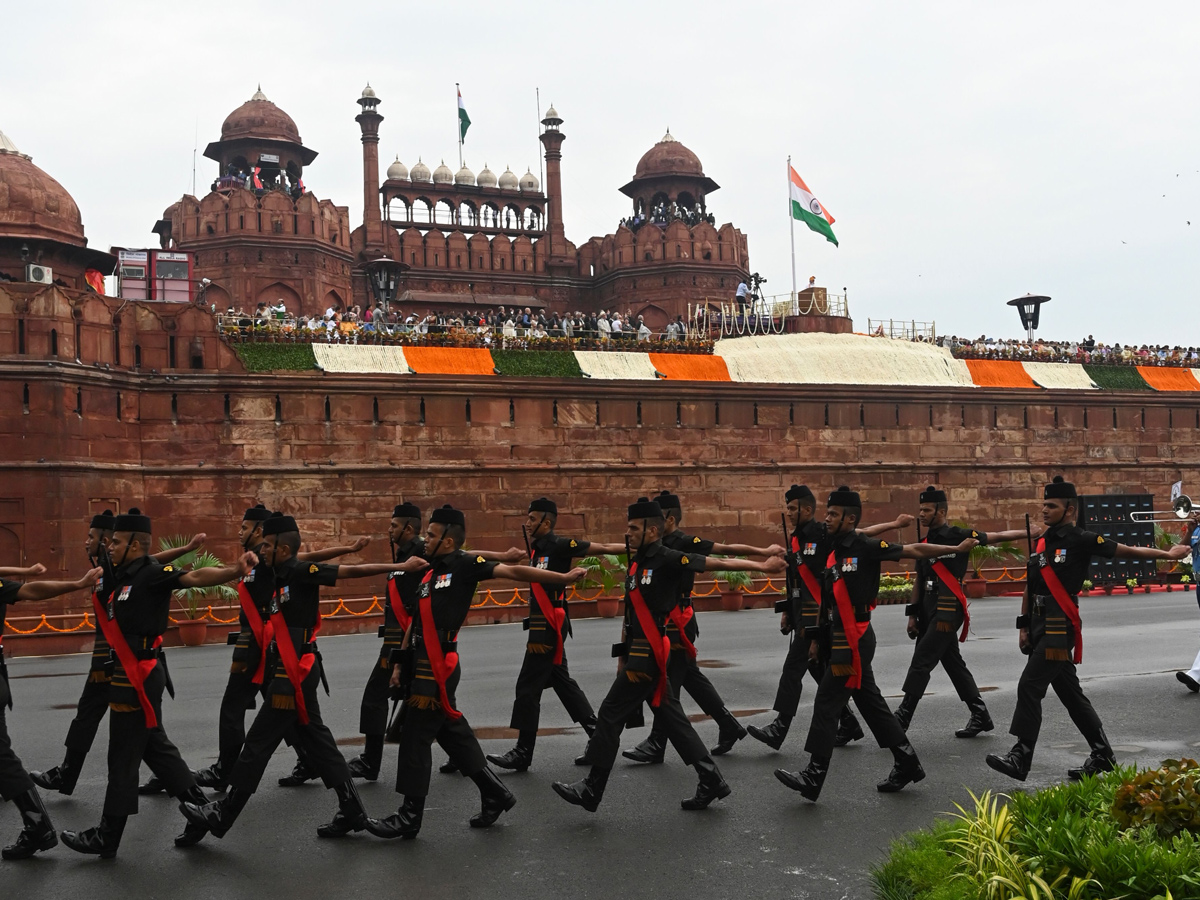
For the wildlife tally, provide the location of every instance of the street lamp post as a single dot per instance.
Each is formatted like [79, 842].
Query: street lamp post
[383, 275]
[1029, 308]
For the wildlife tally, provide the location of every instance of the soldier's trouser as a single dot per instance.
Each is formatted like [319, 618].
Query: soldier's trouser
[14, 780]
[314, 742]
[373, 713]
[539, 672]
[795, 664]
[1040, 674]
[935, 647]
[625, 698]
[89, 713]
[420, 729]
[832, 695]
[684, 674]
[130, 743]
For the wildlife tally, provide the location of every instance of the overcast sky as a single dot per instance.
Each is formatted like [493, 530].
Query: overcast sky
[969, 152]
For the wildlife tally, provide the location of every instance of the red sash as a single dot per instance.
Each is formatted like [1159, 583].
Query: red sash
[805, 573]
[680, 617]
[263, 634]
[1063, 599]
[851, 627]
[443, 665]
[296, 667]
[136, 669]
[397, 605]
[553, 614]
[955, 588]
[660, 645]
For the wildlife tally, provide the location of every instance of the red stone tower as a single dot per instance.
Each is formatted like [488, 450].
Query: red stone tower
[369, 120]
[561, 260]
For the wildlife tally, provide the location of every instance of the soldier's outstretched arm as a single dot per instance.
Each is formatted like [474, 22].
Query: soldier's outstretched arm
[928, 551]
[173, 553]
[44, 590]
[333, 552]
[902, 521]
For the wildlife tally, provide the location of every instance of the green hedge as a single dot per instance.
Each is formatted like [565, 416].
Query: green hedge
[544, 363]
[1117, 378]
[276, 357]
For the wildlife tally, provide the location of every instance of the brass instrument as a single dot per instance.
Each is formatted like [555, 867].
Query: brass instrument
[1181, 508]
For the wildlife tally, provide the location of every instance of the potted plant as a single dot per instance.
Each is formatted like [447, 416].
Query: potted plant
[976, 587]
[1130, 584]
[894, 589]
[732, 598]
[1186, 581]
[608, 574]
[1108, 588]
[1087, 586]
[194, 627]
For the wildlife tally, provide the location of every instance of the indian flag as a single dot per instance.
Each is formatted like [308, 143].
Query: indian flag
[806, 207]
[464, 121]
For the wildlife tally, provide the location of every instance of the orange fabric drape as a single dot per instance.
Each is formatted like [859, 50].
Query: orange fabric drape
[450, 360]
[690, 366]
[95, 279]
[1166, 378]
[1002, 373]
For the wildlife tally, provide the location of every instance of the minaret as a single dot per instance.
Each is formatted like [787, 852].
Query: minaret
[369, 120]
[552, 139]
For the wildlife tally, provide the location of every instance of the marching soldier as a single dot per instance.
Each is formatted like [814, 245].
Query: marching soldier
[247, 671]
[430, 714]
[938, 618]
[809, 543]
[849, 591]
[652, 591]
[1050, 631]
[683, 629]
[549, 624]
[133, 621]
[15, 784]
[293, 708]
[93, 702]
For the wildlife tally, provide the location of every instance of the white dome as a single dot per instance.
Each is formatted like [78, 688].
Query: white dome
[397, 171]
[442, 174]
[419, 172]
[259, 95]
[529, 182]
[486, 178]
[464, 176]
[368, 92]
[7, 146]
[508, 180]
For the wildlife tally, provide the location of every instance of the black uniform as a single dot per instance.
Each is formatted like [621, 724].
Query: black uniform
[139, 601]
[373, 713]
[1068, 552]
[809, 547]
[538, 669]
[855, 560]
[660, 574]
[14, 780]
[450, 585]
[939, 617]
[296, 596]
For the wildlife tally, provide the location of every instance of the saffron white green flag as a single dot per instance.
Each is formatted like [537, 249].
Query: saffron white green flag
[808, 209]
[464, 121]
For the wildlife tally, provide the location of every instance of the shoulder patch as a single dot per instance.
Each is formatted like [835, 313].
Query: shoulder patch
[480, 559]
[314, 569]
[684, 560]
[1099, 539]
[883, 545]
[168, 568]
[573, 544]
[695, 540]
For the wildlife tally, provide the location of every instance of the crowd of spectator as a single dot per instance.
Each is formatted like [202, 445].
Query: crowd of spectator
[664, 213]
[1074, 351]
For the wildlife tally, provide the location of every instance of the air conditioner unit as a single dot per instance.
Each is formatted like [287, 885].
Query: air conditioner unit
[39, 274]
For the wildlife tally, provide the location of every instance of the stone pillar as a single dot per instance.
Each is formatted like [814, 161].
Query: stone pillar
[368, 120]
[556, 233]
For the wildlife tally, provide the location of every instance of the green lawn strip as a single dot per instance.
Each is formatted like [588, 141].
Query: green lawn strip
[1116, 378]
[276, 357]
[544, 363]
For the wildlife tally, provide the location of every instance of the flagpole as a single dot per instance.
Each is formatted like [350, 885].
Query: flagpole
[792, 228]
[541, 169]
[458, 124]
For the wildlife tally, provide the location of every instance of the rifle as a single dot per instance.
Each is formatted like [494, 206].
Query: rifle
[525, 623]
[785, 605]
[1029, 535]
[620, 650]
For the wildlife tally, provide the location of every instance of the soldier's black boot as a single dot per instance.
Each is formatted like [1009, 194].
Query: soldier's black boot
[218, 817]
[367, 764]
[520, 757]
[980, 721]
[587, 793]
[449, 767]
[904, 712]
[848, 729]
[1015, 763]
[906, 770]
[301, 774]
[1100, 760]
[192, 833]
[38, 833]
[494, 798]
[773, 735]
[215, 776]
[405, 823]
[589, 725]
[651, 750]
[711, 787]
[152, 785]
[61, 778]
[350, 815]
[102, 841]
[808, 782]
[731, 732]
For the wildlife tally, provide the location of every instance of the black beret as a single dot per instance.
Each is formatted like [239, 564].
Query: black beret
[256, 513]
[645, 509]
[132, 521]
[1059, 489]
[104, 521]
[448, 515]
[406, 510]
[667, 500]
[278, 523]
[843, 496]
[544, 505]
[798, 492]
[932, 495]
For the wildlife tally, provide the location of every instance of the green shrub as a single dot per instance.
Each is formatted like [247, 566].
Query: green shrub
[894, 588]
[919, 865]
[543, 363]
[1165, 799]
[276, 357]
[1116, 378]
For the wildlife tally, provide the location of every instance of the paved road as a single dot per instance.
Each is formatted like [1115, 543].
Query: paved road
[763, 839]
